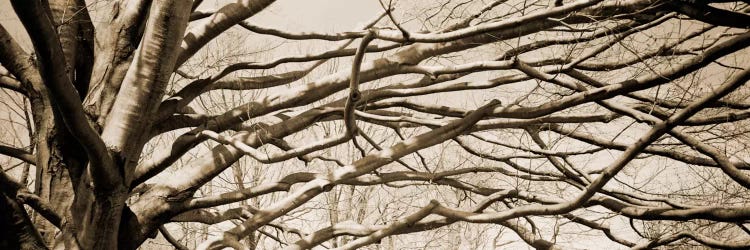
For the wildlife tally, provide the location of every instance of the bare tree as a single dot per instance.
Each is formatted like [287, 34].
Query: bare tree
[460, 124]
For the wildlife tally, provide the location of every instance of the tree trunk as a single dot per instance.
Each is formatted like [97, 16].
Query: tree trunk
[53, 183]
[59, 163]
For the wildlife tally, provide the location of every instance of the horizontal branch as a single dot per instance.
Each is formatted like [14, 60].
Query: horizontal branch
[326, 86]
[398, 36]
[701, 11]
[357, 168]
[276, 157]
[700, 238]
[18, 154]
[10, 83]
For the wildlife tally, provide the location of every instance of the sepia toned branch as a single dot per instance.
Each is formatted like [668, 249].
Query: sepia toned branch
[54, 74]
[18, 154]
[17, 191]
[224, 18]
[622, 124]
[177, 245]
[702, 239]
[360, 167]
[277, 157]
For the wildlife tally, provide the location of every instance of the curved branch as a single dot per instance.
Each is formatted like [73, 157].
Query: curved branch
[702, 239]
[354, 94]
[377, 69]
[265, 158]
[54, 73]
[175, 243]
[358, 168]
[221, 20]
[392, 227]
[18, 154]
[19, 231]
[701, 11]
[18, 191]
[10, 83]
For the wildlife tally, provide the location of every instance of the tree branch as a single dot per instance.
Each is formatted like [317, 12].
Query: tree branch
[223, 19]
[66, 100]
[175, 243]
[18, 154]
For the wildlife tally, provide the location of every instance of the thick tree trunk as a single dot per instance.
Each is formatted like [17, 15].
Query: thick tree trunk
[53, 183]
[60, 159]
[59, 162]
[97, 216]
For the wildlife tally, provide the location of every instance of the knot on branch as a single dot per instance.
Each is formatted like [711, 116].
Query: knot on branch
[355, 96]
[327, 187]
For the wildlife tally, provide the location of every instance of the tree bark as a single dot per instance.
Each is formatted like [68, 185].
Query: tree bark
[19, 232]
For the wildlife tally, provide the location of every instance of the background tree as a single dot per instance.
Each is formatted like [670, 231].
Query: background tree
[461, 124]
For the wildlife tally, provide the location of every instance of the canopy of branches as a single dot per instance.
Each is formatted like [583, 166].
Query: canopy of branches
[261, 124]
